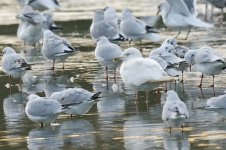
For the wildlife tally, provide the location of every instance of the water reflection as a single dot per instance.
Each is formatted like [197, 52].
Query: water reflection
[45, 138]
[176, 141]
[13, 107]
[78, 134]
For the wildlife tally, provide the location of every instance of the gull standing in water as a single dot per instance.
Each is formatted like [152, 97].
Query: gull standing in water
[136, 29]
[13, 64]
[136, 70]
[208, 63]
[30, 29]
[100, 27]
[81, 99]
[175, 111]
[217, 104]
[105, 52]
[180, 14]
[56, 47]
[40, 5]
[43, 110]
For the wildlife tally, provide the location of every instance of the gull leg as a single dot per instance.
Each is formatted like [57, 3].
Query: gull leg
[212, 83]
[182, 129]
[106, 72]
[182, 74]
[222, 17]
[53, 65]
[147, 97]
[200, 85]
[170, 128]
[205, 18]
[63, 65]
[211, 16]
[190, 68]
[177, 34]
[189, 30]
[42, 124]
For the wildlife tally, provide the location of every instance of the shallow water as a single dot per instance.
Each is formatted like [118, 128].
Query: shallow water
[115, 122]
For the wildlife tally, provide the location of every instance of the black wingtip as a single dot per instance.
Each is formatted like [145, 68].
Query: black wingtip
[96, 95]
[56, 28]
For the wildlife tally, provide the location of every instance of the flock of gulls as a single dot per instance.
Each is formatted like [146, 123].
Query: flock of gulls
[108, 30]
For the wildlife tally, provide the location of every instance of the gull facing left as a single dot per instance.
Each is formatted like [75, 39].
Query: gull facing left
[13, 64]
[56, 47]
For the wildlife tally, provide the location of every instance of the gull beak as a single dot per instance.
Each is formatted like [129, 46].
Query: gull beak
[118, 59]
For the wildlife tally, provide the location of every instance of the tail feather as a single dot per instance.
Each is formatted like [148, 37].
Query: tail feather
[96, 95]
[198, 23]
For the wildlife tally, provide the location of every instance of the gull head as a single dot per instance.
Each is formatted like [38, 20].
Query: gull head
[8, 50]
[32, 97]
[126, 13]
[171, 41]
[47, 34]
[129, 54]
[168, 48]
[189, 57]
[27, 9]
[98, 15]
[163, 8]
[102, 40]
[172, 96]
[59, 96]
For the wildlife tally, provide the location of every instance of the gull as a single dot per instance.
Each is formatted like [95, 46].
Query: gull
[189, 57]
[48, 23]
[111, 17]
[208, 63]
[217, 104]
[136, 29]
[100, 27]
[56, 47]
[177, 14]
[43, 111]
[82, 99]
[105, 52]
[13, 64]
[30, 29]
[175, 111]
[136, 70]
[219, 4]
[40, 5]
[179, 49]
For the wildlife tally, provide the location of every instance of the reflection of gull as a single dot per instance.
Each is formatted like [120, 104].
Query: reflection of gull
[208, 63]
[13, 64]
[56, 48]
[100, 28]
[136, 70]
[78, 134]
[30, 29]
[176, 14]
[105, 52]
[40, 4]
[176, 141]
[42, 110]
[44, 138]
[13, 107]
[136, 29]
[175, 111]
[82, 99]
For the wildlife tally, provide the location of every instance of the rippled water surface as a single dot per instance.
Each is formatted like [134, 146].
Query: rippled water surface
[115, 122]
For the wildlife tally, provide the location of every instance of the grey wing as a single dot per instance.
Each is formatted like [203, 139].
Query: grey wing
[45, 108]
[179, 7]
[109, 51]
[191, 5]
[182, 108]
